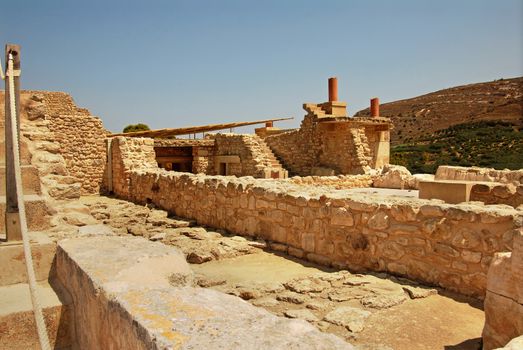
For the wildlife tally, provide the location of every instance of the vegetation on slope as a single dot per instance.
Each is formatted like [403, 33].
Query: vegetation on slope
[424, 115]
[492, 144]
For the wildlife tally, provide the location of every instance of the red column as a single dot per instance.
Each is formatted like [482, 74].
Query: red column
[268, 124]
[333, 89]
[375, 107]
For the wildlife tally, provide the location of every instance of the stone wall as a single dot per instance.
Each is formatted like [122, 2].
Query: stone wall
[82, 144]
[73, 135]
[229, 154]
[255, 158]
[447, 172]
[504, 299]
[338, 182]
[203, 159]
[345, 145]
[446, 245]
[496, 193]
[128, 154]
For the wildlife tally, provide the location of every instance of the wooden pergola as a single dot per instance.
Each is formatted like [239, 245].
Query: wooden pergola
[164, 133]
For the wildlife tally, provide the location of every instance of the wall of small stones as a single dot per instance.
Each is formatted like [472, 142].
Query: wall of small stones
[82, 144]
[129, 154]
[203, 159]
[446, 245]
[496, 193]
[78, 135]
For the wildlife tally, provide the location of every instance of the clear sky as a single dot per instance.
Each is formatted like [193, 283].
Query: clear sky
[181, 63]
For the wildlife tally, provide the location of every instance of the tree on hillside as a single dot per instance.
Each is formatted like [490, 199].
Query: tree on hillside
[136, 127]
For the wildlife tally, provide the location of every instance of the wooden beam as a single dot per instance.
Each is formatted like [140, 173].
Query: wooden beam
[163, 133]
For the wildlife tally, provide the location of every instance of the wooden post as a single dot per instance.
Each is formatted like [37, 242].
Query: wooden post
[12, 216]
[109, 150]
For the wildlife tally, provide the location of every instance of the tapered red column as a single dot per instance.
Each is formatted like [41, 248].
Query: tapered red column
[375, 107]
[333, 89]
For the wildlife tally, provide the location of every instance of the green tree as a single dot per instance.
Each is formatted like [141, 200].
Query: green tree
[136, 127]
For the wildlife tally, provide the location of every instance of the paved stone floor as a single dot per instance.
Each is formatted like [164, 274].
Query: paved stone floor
[374, 311]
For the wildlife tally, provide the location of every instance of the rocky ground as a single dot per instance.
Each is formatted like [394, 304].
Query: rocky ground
[376, 311]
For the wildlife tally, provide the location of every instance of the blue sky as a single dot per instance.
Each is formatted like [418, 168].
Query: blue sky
[181, 63]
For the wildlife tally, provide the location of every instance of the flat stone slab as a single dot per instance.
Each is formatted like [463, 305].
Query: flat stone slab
[132, 293]
[450, 191]
[349, 317]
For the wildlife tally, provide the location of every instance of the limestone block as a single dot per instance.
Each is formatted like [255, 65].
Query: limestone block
[504, 300]
[130, 293]
[449, 191]
[395, 176]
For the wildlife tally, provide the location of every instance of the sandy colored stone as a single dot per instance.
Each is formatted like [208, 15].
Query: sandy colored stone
[419, 292]
[265, 302]
[303, 314]
[349, 317]
[291, 297]
[307, 285]
[146, 312]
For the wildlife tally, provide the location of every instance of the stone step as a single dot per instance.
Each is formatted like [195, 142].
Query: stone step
[17, 322]
[30, 180]
[36, 210]
[12, 259]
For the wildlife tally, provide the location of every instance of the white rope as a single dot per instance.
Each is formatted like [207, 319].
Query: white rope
[2, 71]
[39, 317]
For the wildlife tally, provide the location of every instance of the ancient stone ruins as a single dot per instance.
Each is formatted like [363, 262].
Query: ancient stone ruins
[283, 239]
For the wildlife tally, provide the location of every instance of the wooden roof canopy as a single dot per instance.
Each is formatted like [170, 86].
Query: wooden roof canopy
[163, 133]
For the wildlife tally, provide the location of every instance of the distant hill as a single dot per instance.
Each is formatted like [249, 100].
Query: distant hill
[470, 125]
[413, 118]
[491, 144]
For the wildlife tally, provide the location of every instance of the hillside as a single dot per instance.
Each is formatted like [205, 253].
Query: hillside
[492, 144]
[418, 117]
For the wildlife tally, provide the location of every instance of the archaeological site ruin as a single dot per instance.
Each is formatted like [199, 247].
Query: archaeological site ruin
[201, 238]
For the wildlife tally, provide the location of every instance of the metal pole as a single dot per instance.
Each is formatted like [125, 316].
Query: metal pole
[12, 215]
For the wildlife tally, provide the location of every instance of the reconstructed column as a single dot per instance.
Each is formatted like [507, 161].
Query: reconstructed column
[333, 89]
[375, 107]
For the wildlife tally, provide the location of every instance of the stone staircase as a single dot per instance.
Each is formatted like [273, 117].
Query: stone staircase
[36, 206]
[17, 323]
[314, 109]
[268, 163]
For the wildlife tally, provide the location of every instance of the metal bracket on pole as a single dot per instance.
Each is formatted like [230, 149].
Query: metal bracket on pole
[12, 215]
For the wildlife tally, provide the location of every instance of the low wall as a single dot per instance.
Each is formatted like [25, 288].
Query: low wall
[130, 293]
[338, 182]
[446, 245]
[447, 172]
[497, 194]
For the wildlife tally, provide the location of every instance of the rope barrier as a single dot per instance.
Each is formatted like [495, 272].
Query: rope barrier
[2, 71]
[39, 317]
